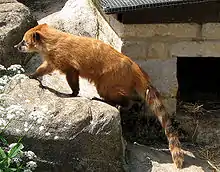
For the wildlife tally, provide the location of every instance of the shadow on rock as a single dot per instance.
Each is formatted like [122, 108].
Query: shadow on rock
[57, 93]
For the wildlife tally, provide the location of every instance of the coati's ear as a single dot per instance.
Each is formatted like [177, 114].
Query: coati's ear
[44, 25]
[37, 36]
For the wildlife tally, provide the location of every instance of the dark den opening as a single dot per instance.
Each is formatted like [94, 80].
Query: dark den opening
[198, 79]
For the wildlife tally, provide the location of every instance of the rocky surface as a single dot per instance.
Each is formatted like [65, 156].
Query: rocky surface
[151, 159]
[76, 17]
[15, 20]
[43, 8]
[67, 134]
[7, 73]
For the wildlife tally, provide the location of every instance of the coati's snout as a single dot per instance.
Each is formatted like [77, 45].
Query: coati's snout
[30, 42]
[21, 46]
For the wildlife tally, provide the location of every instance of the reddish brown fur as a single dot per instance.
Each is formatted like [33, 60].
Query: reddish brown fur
[115, 75]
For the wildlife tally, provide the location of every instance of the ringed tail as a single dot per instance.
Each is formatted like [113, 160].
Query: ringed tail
[153, 100]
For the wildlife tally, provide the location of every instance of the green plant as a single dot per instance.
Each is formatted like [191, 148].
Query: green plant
[14, 159]
[8, 161]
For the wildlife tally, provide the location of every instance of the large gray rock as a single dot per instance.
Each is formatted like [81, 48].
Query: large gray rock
[15, 20]
[76, 17]
[150, 159]
[43, 8]
[7, 73]
[67, 134]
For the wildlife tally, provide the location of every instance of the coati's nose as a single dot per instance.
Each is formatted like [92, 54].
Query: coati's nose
[16, 46]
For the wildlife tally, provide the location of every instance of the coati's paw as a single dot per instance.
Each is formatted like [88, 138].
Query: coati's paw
[178, 157]
[31, 75]
[74, 94]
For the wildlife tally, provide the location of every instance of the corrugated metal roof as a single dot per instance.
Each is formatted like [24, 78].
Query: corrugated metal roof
[118, 6]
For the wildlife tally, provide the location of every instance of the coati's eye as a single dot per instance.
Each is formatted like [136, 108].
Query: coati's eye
[36, 36]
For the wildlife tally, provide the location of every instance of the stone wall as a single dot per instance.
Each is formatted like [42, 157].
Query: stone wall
[155, 47]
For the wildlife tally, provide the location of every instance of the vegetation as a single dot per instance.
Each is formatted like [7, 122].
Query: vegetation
[14, 159]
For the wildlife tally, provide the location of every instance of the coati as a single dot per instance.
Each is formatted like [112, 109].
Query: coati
[115, 75]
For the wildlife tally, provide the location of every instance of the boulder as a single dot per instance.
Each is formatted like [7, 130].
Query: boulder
[76, 17]
[43, 8]
[7, 73]
[153, 159]
[67, 134]
[15, 20]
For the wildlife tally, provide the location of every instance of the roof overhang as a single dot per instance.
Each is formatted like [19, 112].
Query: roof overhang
[161, 11]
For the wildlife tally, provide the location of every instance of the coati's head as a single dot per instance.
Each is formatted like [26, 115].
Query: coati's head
[32, 40]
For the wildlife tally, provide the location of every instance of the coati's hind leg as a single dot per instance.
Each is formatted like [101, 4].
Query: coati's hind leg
[115, 96]
[118, 100]
[121, 101]
[72, 77]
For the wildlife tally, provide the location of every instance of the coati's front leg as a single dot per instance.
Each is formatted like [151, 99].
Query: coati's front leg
[72, 77]
[43, 69]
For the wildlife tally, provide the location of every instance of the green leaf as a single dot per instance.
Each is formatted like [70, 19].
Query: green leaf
[11, 170]
[2, 154]
[15, 150]
[3, 140]
[8, 162]
[2, 165]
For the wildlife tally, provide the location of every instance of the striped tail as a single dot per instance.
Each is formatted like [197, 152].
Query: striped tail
[154, 102]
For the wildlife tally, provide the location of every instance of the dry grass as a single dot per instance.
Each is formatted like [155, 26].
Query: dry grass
[198, 108]
[211, 154]
[191, 108]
